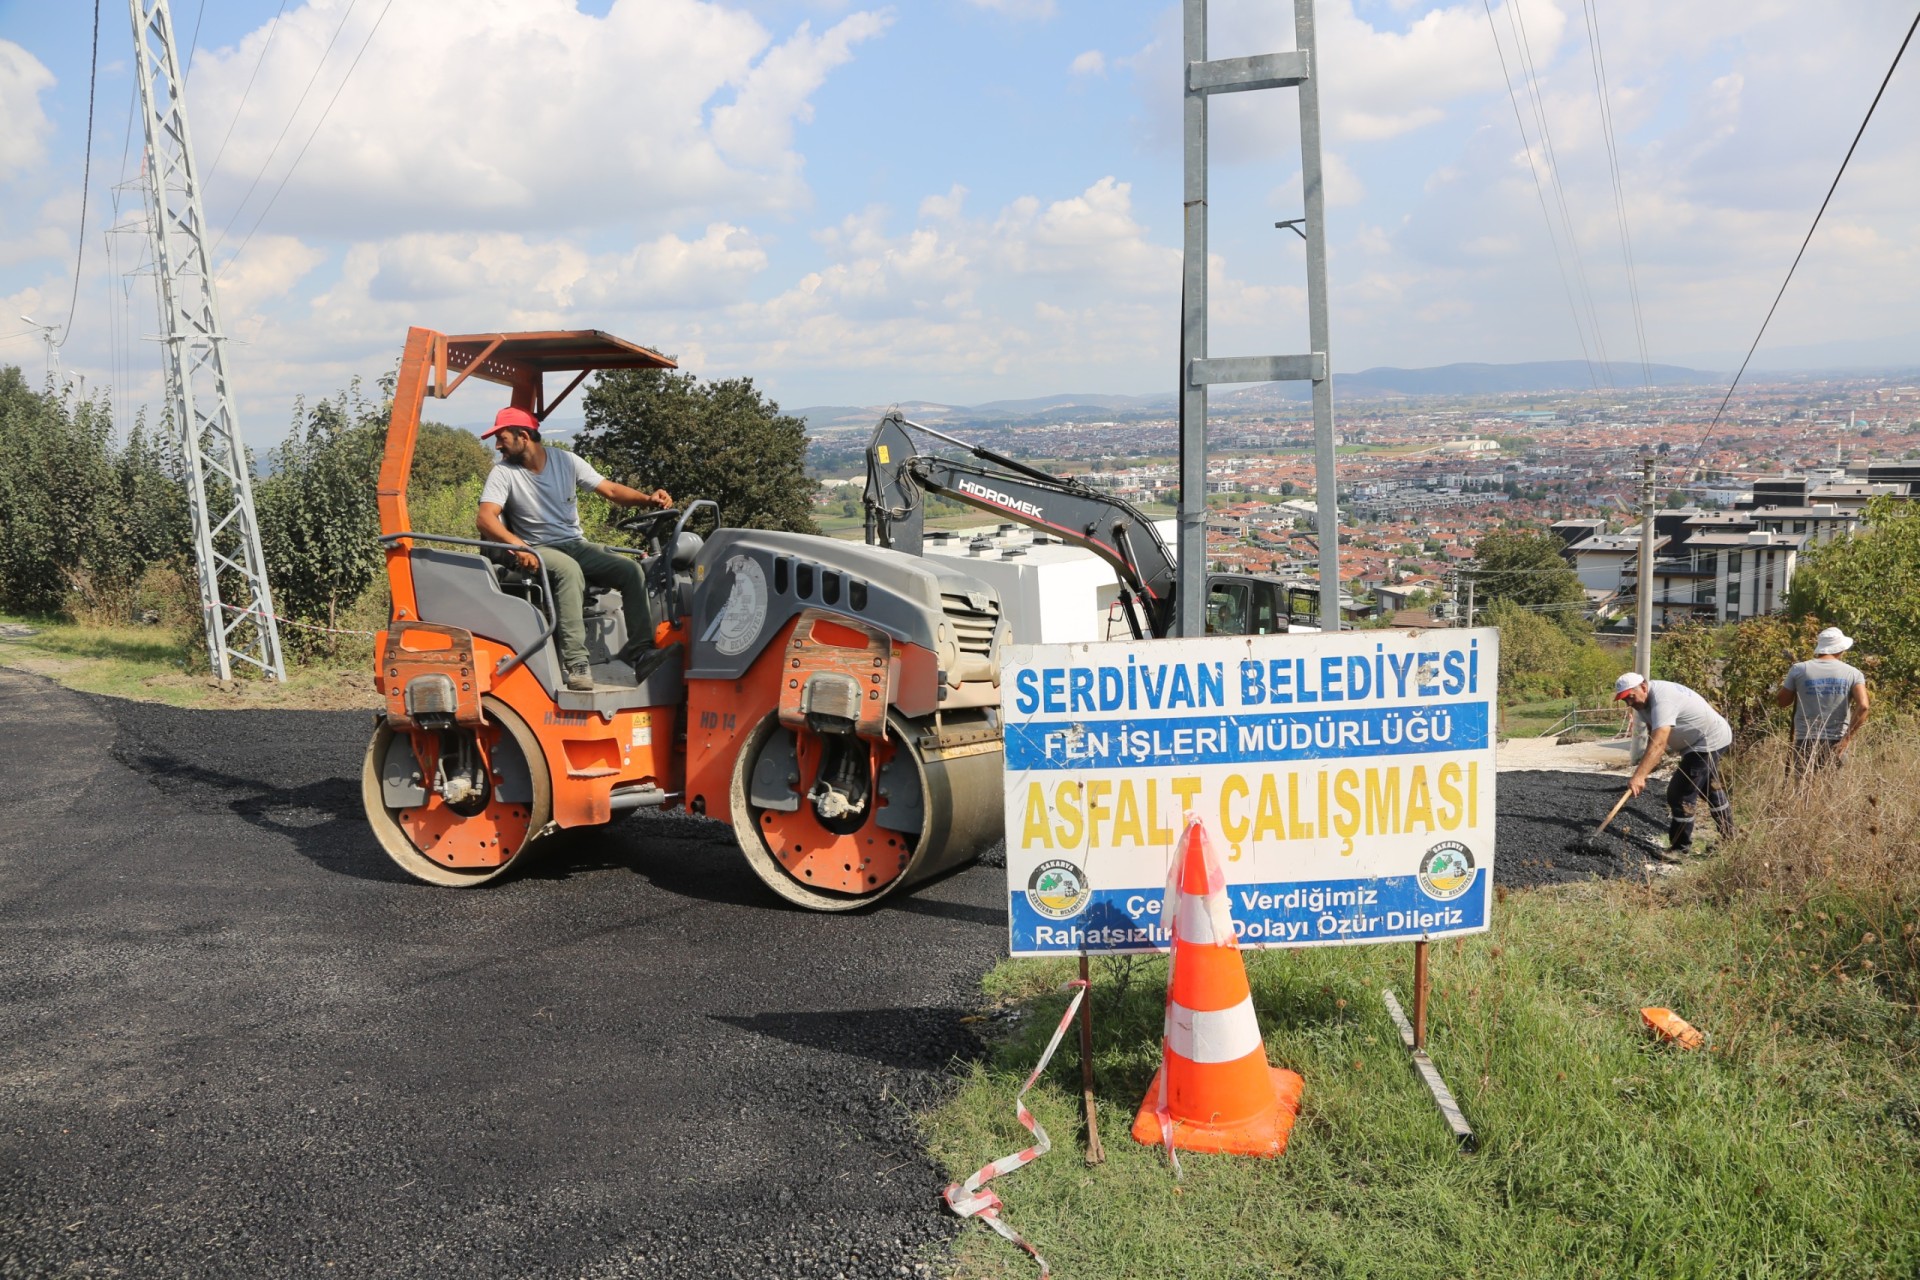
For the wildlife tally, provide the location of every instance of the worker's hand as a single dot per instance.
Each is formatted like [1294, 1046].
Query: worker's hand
[1636, 784]
[525, 559]
[661, 499]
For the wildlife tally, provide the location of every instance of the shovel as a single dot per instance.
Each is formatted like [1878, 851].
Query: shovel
[1594, 843]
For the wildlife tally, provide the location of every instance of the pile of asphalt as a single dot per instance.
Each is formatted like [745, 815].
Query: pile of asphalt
[234, 1039]
[1545, 818]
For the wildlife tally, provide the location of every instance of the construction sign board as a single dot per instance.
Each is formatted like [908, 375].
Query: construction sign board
[1348, 777]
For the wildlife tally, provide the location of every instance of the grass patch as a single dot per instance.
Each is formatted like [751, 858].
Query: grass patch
[1790, 1148]
[161, 664]
[1531, 719]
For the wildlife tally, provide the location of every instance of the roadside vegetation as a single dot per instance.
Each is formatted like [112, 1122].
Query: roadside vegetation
[97, 577]
[1790, 1146]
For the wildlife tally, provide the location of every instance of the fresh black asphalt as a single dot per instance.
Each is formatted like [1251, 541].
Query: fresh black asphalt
[234, 1040]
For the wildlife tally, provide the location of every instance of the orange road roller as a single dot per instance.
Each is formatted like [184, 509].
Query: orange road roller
[837, 703]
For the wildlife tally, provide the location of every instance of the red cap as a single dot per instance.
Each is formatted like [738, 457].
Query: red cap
[511, 417]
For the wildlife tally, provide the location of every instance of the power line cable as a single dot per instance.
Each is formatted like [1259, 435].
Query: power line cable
[193, 46]
[310, 137]
[273, 27]
[86, 178]
[1540, 191]
[1539, 98]
[262, 171]
[1707, 435]
[1619, 189]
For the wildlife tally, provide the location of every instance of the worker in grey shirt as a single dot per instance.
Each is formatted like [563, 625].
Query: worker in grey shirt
[1681, 720]
[1829, 701]
[530, 501]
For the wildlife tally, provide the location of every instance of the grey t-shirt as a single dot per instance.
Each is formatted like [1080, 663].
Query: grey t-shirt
[1696, 725]
[1822, 698]
[542, 507]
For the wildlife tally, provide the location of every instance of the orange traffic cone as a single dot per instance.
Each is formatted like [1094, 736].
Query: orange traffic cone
[1214, 1090]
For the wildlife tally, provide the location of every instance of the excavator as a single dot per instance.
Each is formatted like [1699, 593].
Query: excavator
[899, 475]
[837, 704]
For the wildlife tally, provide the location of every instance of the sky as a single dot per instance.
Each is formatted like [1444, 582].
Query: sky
[965, 200]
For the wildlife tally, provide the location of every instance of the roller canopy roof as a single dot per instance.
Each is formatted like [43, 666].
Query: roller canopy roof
[517, 358]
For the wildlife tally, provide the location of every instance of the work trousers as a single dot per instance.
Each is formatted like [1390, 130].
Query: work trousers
[1698, 775]
[570, 567]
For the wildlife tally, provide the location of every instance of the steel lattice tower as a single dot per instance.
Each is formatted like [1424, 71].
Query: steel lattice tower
[235, 601]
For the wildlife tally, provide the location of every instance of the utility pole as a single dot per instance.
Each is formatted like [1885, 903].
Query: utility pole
[46, 335]
[1202, 79]
[1643, 606]
[235, 603]
[1473, 581]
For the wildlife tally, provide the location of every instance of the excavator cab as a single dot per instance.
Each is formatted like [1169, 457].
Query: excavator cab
[836, 703]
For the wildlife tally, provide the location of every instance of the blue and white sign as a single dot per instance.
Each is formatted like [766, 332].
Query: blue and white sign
[1348, 779]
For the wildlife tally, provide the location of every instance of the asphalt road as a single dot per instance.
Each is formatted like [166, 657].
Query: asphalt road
[234, 1041]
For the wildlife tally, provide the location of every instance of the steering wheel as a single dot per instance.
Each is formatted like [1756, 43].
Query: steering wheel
[649, 526]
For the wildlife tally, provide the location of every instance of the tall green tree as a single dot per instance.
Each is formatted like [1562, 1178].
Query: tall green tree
[721, 440]
[1527, 569]
[443, 456]
[319, 519]
[82, 516]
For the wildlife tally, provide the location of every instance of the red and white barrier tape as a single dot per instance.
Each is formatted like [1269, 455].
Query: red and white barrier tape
[971, 1199]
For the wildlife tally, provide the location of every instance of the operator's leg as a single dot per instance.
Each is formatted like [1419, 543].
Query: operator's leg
[605, 569]
[569, 597]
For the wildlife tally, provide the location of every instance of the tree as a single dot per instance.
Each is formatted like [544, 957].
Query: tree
[81, 518]
[1528, 570]
[444, 455]
[722, 440]
[319, 519]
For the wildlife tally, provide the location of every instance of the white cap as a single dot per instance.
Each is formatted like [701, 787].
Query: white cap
[1832, 640]
[1627, 684]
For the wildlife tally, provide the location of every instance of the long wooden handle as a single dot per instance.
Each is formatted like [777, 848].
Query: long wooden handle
[1614, 812]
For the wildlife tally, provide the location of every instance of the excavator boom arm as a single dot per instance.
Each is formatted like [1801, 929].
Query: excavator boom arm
[1112, 528]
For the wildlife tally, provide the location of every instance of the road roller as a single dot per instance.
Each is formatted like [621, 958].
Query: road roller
[836, 703]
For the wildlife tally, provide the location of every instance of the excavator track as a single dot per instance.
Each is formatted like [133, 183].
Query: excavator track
[933, 803]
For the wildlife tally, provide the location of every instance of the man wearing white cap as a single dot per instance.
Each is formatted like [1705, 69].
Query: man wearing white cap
[1680, 719]
[1829, 701]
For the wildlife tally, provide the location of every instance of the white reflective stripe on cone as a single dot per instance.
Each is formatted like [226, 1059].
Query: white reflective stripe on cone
[1205, 919]
[1196, 922]
[1225, 1035]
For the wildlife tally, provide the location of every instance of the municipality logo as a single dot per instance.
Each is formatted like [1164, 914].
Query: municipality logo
[1057, 889]
[1447, 871]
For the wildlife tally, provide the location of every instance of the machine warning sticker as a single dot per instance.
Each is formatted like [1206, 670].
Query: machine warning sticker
[1447, 870]
[738, 625]
[1057, 889]
[642, 729]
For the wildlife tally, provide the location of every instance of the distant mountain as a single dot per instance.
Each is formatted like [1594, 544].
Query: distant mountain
[1445, 380]
[1538, 375]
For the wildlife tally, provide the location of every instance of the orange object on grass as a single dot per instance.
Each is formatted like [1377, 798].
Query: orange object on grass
[1669, 1025]
[1214, 1090]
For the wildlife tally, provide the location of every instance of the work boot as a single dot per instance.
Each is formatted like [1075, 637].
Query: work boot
[580, 679]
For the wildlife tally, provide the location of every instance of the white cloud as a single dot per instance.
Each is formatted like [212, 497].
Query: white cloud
[23, 124]
[519, 114]
[1091, 63]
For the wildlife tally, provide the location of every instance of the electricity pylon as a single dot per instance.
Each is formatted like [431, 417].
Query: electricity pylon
[235, 602]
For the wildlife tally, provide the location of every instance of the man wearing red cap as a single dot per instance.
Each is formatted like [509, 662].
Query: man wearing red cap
[530, 502]
[1680, 719]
